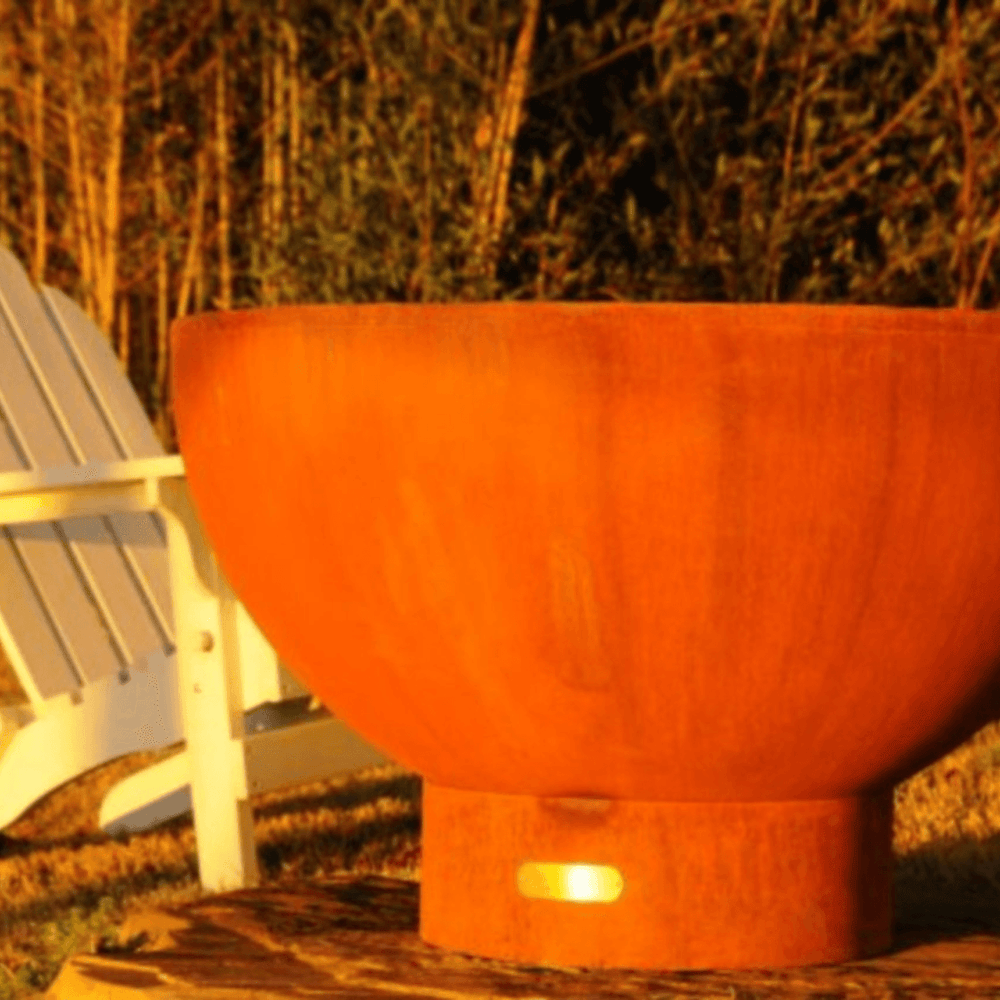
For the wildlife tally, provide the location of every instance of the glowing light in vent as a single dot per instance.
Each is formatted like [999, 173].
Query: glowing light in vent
[572, 883]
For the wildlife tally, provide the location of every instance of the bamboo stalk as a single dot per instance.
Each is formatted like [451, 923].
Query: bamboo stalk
[503, 126]
[225, 298]
[83, 234]
[279, 98]
[124, 338]
[294, 118]
[37, 148]
[346, 192]
[267, 138]
[772, 274]
[107, 278]
[192, 260]
[960, 257]
[162, 277]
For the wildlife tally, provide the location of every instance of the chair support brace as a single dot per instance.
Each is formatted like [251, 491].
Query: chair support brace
[207, 651]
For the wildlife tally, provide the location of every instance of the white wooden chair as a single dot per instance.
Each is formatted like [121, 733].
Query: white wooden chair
[125, 638]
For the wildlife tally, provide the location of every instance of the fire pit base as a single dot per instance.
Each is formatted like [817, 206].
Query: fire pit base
[656, 885]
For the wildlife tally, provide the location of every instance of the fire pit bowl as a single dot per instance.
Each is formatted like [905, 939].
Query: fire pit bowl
[660, 599]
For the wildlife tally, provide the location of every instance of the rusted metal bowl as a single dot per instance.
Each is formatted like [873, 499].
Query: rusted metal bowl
[660, 599]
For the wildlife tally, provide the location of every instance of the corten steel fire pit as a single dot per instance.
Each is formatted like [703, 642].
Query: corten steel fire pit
[660, 599]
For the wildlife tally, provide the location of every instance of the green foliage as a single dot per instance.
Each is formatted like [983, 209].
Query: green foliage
[838, 152]
[73, 932]
[388, 213]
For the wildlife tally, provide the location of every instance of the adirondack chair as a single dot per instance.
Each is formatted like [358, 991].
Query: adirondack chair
[125, 637]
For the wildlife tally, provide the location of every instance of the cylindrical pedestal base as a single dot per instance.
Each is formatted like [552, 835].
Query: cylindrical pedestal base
[656, 885]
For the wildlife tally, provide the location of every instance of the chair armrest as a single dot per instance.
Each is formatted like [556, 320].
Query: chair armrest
[92, 489]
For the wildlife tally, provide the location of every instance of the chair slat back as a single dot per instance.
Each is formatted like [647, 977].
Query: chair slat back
[134, 437]
[80, 598]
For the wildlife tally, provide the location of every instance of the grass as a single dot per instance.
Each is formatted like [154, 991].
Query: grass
[65, 887]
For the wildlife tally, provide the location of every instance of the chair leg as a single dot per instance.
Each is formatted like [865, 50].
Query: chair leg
[211, 700]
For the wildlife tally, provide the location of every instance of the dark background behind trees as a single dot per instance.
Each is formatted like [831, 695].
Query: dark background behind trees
[163, 157]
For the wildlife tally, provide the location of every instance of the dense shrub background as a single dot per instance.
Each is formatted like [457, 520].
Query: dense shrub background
[162, 157]
[750, 151]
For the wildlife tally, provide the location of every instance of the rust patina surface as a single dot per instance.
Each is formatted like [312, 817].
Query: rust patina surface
[732, 570]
